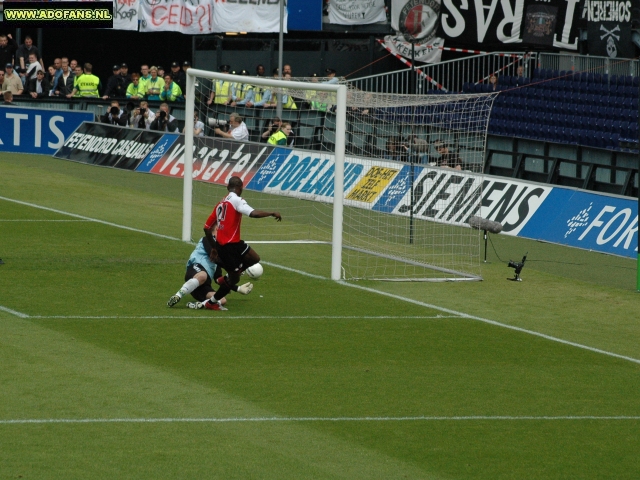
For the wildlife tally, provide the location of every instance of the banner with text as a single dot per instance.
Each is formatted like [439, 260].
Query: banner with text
[125, 14]
[248, 16]
[30, 130]
[560, 215]
[479, 24]
[108, 145]
[609, 28]
[356, 12]
[587, 220]
[215, 160]
[192, 17]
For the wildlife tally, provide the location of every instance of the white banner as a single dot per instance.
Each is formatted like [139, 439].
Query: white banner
[192, 17]
[125, 14]
[427, 53]
[248, 16]
[356, 12]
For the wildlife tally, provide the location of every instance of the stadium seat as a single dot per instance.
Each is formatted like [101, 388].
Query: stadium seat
[616, 126]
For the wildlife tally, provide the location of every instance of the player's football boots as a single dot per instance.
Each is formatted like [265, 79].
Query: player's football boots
[173, 300]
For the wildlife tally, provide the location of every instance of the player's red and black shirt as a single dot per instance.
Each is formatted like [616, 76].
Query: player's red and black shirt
[227, 214]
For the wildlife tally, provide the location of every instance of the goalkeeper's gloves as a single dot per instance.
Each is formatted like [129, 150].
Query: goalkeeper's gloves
[246, 288]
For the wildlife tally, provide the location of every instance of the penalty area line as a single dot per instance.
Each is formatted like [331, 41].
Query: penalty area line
[320, 419]
[390, 295]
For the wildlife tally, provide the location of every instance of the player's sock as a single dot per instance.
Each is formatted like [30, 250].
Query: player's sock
[226, 282]
[188, 287]
[222, 292]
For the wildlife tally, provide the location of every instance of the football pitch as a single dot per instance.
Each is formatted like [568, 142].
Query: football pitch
[304, 377]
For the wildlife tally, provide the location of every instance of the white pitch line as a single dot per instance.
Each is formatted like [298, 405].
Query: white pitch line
[397, 297]
[238, 317]
[493, 322]
[13, 312]
[321, 419]
[43, 220]
[82, 217]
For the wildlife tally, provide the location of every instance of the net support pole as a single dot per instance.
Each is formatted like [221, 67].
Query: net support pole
[187, 193]
[338, 191]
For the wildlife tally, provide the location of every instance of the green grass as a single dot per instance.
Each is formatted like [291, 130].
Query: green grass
[85, 334]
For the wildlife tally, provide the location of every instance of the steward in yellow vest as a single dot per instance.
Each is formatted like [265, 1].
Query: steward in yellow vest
[87, 85]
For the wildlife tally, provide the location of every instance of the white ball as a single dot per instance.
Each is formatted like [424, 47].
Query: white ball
[255, 271]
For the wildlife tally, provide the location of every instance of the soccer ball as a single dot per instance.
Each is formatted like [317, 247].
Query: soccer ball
[255, 271]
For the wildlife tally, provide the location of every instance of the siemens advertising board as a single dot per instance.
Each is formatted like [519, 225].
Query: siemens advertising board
[31, 130]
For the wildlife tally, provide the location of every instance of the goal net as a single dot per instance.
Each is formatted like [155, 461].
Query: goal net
[383, 184]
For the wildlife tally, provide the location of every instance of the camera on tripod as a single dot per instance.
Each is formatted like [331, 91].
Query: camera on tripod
[518, 266]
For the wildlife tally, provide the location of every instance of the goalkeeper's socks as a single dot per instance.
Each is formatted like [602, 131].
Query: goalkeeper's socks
[188, 287]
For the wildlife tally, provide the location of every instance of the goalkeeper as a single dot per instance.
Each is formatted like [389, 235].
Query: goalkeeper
[203, 265]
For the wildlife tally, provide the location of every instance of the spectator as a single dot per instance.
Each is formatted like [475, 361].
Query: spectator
[396, 150]
[280, 137]
[142, 117]
[269, 100]
[77, 73]
[39, 87]
[171, 91]
[331, 76]
[287, 100]
[447, 159]
[286, 69]
[115, 115]
[179, 76]
[8, 98]
[124, 73]
[33, 67]
[247, 92]
[274, 126]
[161, 72]
[154, 85]
[198, 126]
[144, 75]
[260, 71]
[72, 65]
[221, 91]
[57, 65]
[26, 49]
[164, 121]
[51, 74]
[64, 84]
[12, 81]
[237, 129]
[115, 85]
[186, 65]
[87, 85]
[493, 83]
[239, 90]
[1, 78]
[135, 90]
[8, 48]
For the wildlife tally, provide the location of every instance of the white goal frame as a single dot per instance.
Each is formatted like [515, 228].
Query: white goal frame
[339, 152]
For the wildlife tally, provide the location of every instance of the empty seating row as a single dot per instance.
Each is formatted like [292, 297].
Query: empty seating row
[537, 131]
[586, 77]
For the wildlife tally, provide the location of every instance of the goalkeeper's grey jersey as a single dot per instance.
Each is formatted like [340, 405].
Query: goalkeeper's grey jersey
[199, 255]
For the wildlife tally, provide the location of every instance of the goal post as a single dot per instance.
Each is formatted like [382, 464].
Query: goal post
[380, 184]
[341, 108]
